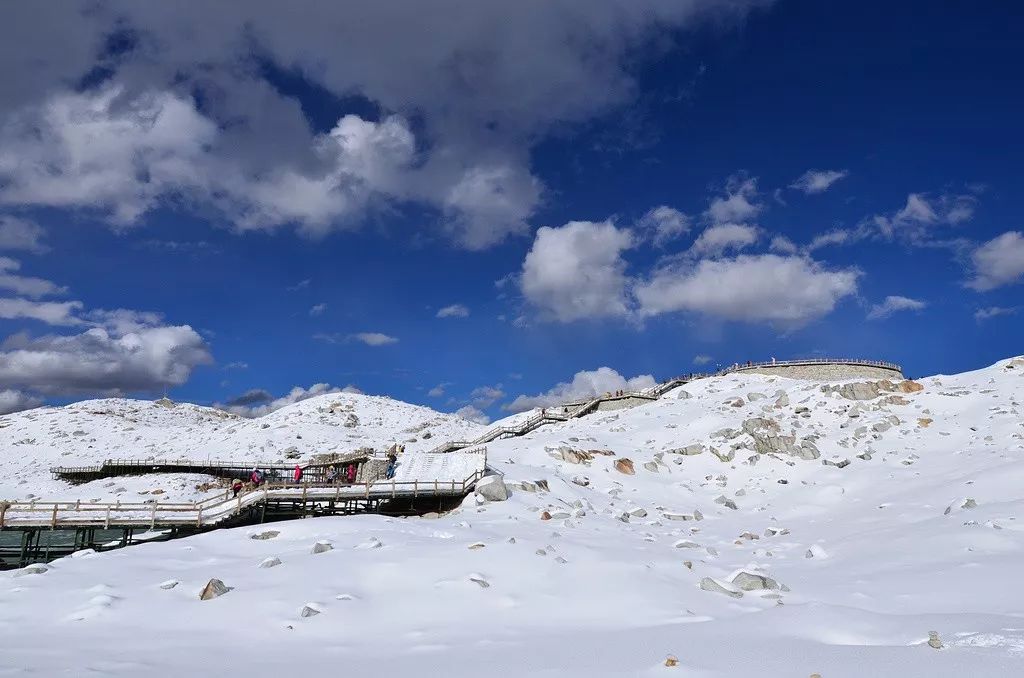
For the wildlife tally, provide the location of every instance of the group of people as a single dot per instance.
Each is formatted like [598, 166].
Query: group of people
[346, 474]
[256, 478]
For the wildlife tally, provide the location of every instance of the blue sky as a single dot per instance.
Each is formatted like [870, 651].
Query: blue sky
[235, 205]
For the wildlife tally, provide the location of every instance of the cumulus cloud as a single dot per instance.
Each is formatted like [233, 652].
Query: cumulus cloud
[49, 312]
[576, 271]
[485, 396]
[21, 234]
[473, 414]
[485, 82]
[738, 205]
[16, 401]
[894, 304]
[453, 311]
[438, 390]
[983, 314]
[818, 181]
[373, 338]
[663, 224]
[585, 384]
[258, 402]
[782, 244]
[787, 291]
[103, 361]
[721, 238]
[998, 262]
[702, 359]
[24, 285]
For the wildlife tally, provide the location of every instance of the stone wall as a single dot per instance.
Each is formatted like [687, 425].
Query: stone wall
[825, 371]
[621, 403]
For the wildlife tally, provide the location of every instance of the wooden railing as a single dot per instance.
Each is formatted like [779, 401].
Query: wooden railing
[216, 509]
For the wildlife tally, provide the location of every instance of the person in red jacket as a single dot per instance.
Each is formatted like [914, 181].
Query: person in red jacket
[350, 473]
[298, 473]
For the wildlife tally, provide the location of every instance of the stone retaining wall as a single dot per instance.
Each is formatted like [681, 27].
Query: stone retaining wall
[825, 371]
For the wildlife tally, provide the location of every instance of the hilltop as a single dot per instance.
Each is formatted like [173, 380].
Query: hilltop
[743, 525]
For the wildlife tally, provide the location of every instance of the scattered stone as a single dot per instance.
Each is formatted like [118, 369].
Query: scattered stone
[637, 512]
[967, 503]
[269, 534]
[169, 584]
[925, 422]
[491, 488]
[481, 582]
[782, 401]
[671, 660]
[909, 386]
[713, 585]
[816, 552]
[754, 397]
[838, 462]
[624, 465]
[570, 455]
[213, 589]
[726, 502]
[272, 561]
[933, 640]
[476, 545]
[544, 515]
[689, 450]
[582, 481]
[775, 531]
[309, 610]
[686, 544]
[322, 547]
[688, 564]
[751, 581]
[651, 466]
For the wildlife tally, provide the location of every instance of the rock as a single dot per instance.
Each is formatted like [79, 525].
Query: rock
[476, 545]
[322, 547]
[738, 402]
[637, 512]
[684, 395]
[544, 515]
[686, 544]
[782, 401]
[802, 410]
[838, 462]
[480, 581]
[309, 610]
[895, 400]
[624, 465]
[967, 503]
[213, 589]
[527, 486]
[269, 534]
[709, 584]
[169, 584]
[671, 660]
[491, 488]
[688, 564]
[725, 457]
[751, 581]
[933, 640]
[924, 422]
[570, 455]
[35, 568]
[754, 397]
[881, 427]
[775, 531]
[909, 386]
[651, 466]
[816, 552]
[582, 481]
[690, 450]
[292, 453]
[542, 485]
[726, 502]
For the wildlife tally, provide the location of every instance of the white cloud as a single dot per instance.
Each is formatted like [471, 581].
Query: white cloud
[453, 311]
[584, 384]
[983, 314]
[258, 402]
[238, 365]
[49, 312]
[438, 391]
[998, 262]
[577, 271]
[102, 361]
[485, 396]
[663, 224]
[918, 219]
[738, 205]
[818, 181]
[374, 338]
[836, 236]
[318, 309]
[787, 291]
[721, 238]
[16, 401]
[702, 359]
[21, 234]
[23, 285]
[782, 244]
[486, 82]
[473, 414]
[894, 304]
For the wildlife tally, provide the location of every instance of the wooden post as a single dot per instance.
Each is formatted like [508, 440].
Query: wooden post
[106, 522]
[392, 487]
[367, 488]
[199, 517]
[152, 518]
[415, 488]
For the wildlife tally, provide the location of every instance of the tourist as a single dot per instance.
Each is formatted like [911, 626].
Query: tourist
[256, 477]
[236, 486]
[298, 474]
[351, 473]
[332, 474]
[392, 463]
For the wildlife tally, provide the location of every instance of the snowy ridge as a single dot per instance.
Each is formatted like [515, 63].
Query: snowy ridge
[699, 526]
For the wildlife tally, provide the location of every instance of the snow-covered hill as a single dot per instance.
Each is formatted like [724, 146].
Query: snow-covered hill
[91, 431]
[760, 527]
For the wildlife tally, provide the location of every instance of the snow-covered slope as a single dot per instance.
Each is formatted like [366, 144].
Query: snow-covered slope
[590, 571]
[91, 431]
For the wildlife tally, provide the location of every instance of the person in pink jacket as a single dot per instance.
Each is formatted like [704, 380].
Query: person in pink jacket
[298, 473]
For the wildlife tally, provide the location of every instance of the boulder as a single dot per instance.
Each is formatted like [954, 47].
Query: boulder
[570, 455]
[925, 422]
[671, 660]
[491, 488]
[624, 465]
[651, 466]
[754, 397]
[838, 462]
[726, 502]
[321, 547]
[213, 589]
[309, 610]
[751, 581]
[909, 386]
[272, 561]
[582, 481]
[169, 584]
[713, 585]
[782, 401]
[933, 640]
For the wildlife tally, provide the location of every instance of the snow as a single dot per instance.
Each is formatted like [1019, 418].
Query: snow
[601, 589]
